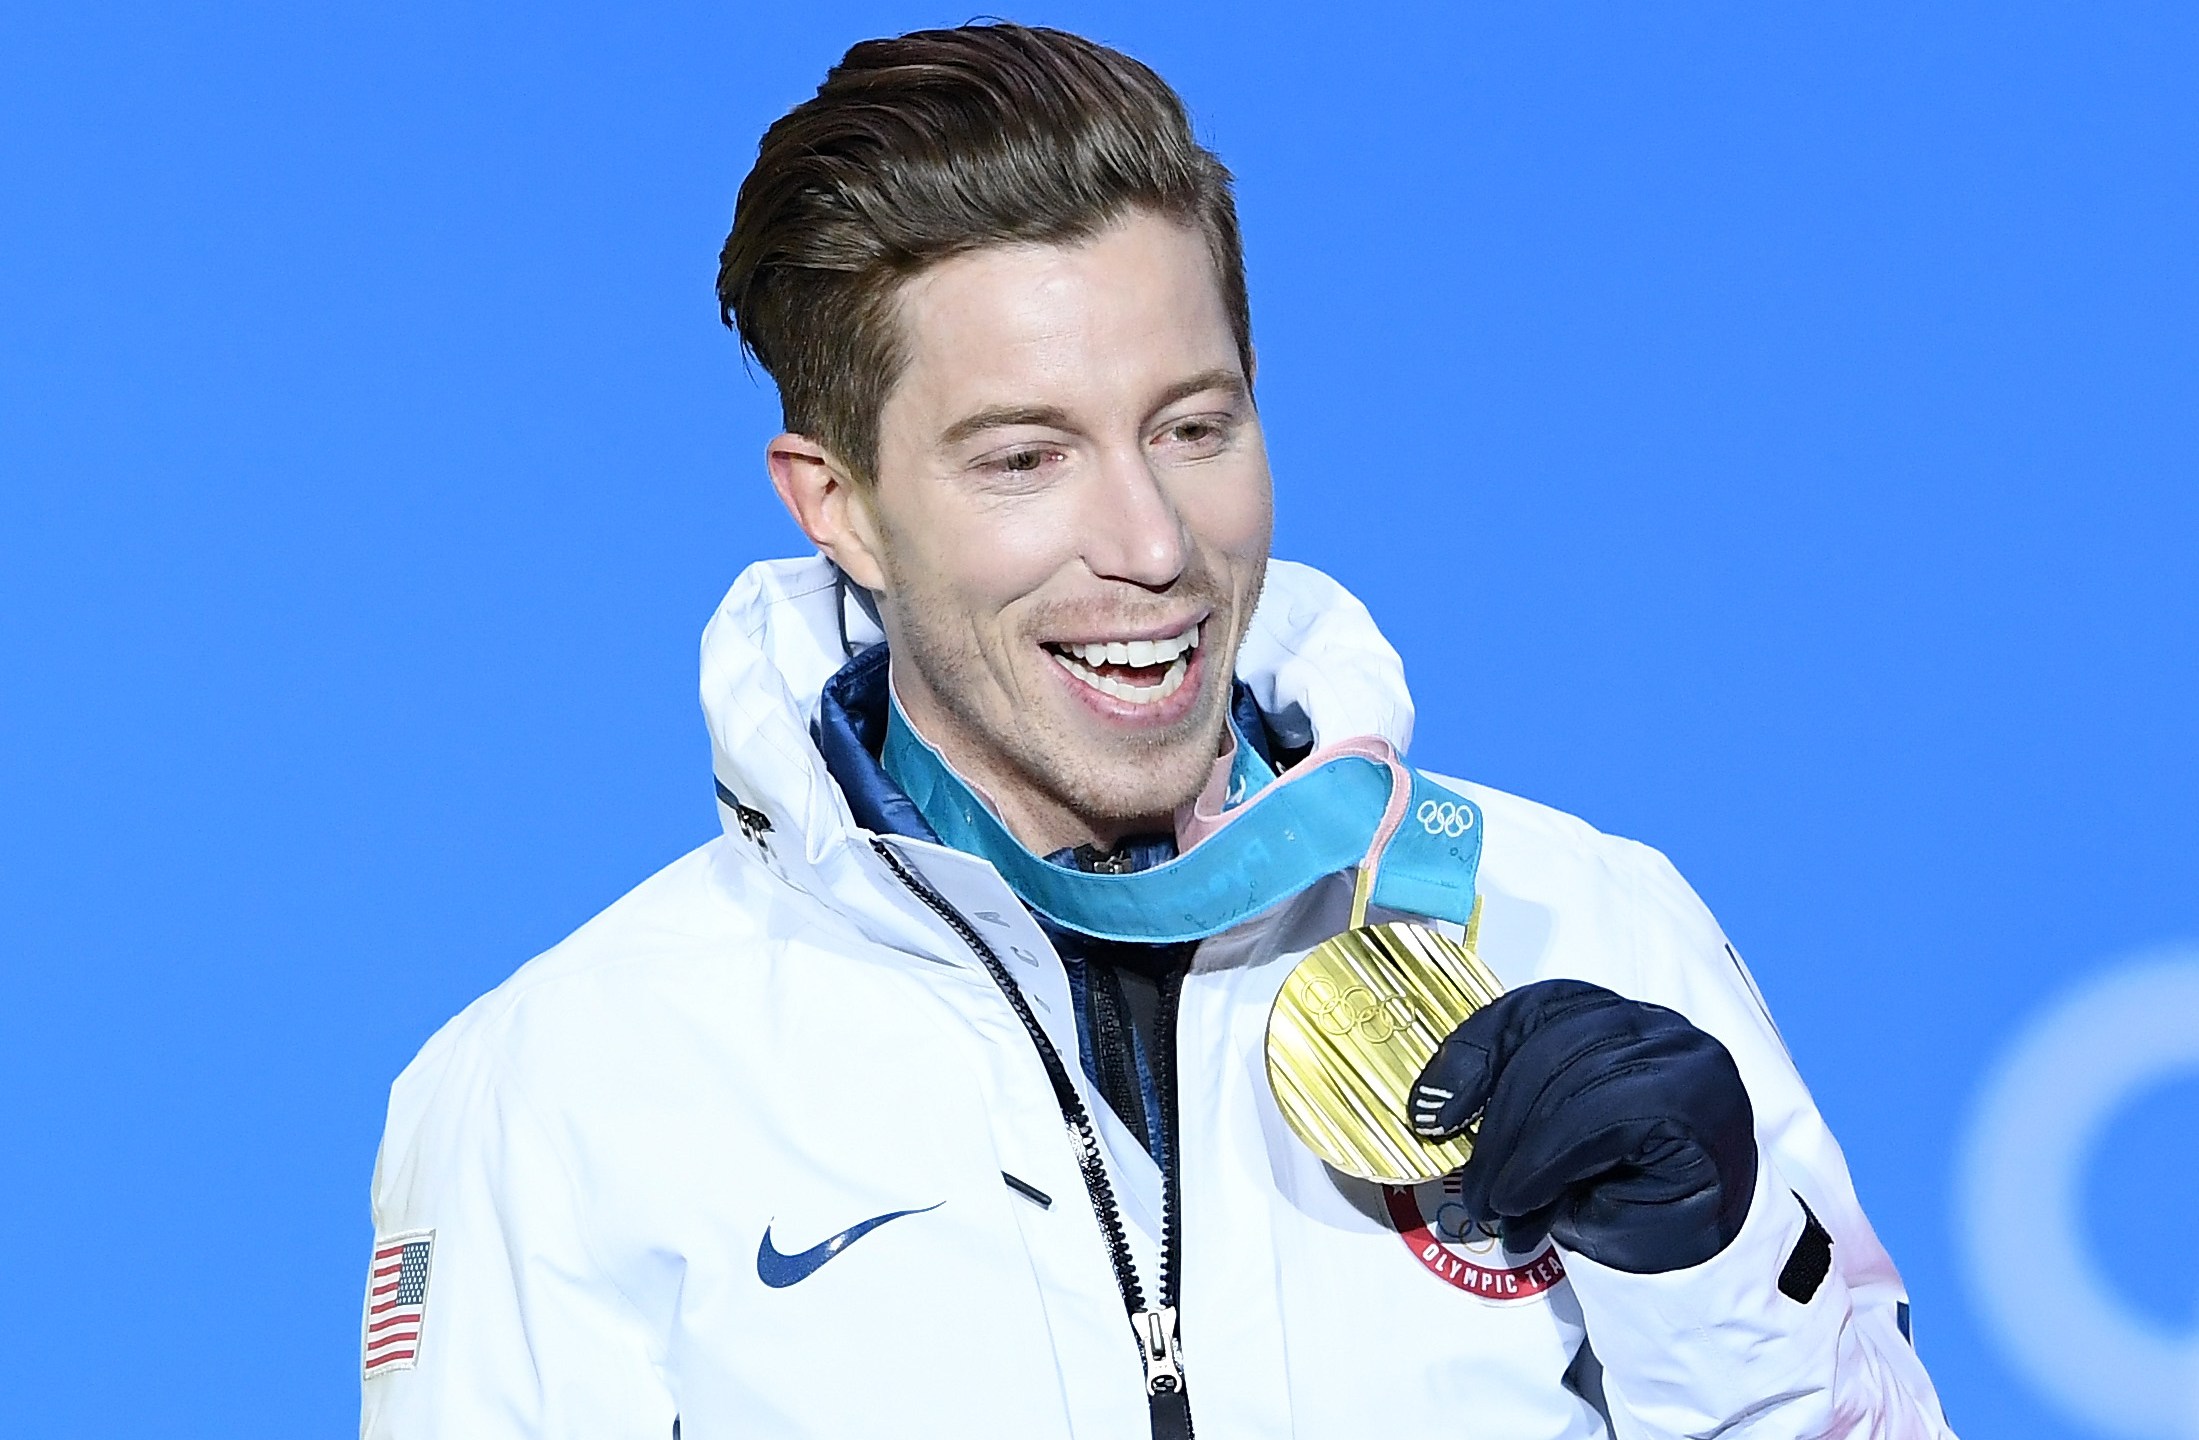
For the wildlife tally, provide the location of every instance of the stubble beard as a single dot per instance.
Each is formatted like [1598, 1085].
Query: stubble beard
[1017, 747]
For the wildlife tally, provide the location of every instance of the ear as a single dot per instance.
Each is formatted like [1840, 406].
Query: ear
[833, 511]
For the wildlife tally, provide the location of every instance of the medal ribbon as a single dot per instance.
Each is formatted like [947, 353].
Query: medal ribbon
[1416, 844]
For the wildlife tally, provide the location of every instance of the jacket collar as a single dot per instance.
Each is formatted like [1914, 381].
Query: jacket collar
[1314, 662]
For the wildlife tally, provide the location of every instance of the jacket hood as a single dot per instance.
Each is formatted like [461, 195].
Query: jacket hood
[1312, 657]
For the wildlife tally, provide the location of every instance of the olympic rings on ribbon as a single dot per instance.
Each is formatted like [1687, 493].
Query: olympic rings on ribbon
[1441, 817]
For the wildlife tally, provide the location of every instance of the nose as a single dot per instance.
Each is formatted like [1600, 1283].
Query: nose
[1132, 528]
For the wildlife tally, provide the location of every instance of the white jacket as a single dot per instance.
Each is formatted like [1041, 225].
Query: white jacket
[773, 1036]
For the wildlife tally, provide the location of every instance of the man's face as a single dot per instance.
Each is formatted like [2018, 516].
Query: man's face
[1070, 525]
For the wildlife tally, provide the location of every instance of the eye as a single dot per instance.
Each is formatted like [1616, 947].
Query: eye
[1027, 464]
[1195, 437]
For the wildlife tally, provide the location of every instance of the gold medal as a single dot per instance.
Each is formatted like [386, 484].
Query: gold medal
[1351, 1029]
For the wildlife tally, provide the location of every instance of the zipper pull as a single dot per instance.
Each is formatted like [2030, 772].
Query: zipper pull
[1157, 1344]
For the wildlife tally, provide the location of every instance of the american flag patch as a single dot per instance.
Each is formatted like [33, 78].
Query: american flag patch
[397, 1301]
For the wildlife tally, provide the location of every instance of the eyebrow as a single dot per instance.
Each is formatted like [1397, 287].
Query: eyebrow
[994, 417]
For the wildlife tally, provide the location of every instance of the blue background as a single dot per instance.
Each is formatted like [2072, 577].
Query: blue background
[1766, 432]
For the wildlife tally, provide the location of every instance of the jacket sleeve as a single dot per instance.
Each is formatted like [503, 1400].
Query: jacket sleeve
[520, 1332]
[1764, 1340]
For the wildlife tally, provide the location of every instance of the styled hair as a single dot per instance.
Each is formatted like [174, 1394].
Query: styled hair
[921, 148]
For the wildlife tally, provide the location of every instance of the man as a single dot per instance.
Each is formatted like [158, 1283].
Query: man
[929, 1098]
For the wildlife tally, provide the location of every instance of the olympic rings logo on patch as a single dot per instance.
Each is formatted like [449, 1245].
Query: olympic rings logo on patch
[1441, 817]
[1453, 1224]
[1340, 1012]
[1462, 1253]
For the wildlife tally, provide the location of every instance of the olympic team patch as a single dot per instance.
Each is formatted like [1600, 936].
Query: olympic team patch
[1458, 1250]
[397, 1302]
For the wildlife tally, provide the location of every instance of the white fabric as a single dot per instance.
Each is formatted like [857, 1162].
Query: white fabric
[778, 1035]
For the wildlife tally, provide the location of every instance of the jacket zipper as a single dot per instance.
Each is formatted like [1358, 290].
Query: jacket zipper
[1170, 1404]
[1155, 1327]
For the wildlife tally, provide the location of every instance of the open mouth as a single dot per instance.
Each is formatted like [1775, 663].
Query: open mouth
[1136, 672]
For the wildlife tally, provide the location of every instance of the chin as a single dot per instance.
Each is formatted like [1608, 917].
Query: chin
[1141, 791]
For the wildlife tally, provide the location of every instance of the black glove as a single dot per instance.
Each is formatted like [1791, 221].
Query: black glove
[1614, 1126]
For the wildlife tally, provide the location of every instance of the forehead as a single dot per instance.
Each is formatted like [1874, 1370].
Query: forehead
[1085, 326]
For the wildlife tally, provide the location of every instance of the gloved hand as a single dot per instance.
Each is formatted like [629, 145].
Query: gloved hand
[1614, 1126]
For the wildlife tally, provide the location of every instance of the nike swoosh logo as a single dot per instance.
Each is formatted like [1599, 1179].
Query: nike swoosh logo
[779, 1271]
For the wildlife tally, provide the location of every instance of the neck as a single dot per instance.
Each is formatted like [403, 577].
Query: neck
[1040, 822]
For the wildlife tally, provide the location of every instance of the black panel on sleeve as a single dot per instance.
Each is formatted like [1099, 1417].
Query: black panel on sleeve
[1810, 1261]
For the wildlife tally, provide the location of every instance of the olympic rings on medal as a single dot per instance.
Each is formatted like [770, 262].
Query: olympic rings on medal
[1341, 1012]
[1441, 817]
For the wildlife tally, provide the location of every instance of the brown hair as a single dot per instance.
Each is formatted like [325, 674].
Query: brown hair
[927, 146]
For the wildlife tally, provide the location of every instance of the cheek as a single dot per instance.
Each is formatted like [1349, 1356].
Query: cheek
[974, 561]
[1235, 517]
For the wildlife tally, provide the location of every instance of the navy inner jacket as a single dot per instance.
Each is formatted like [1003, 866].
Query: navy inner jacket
[1117, 985]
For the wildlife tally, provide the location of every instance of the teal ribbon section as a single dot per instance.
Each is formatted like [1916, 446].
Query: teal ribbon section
[1289, 837]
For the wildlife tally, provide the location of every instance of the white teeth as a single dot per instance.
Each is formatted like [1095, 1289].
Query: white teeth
[1138, 653]
[1170, 682]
